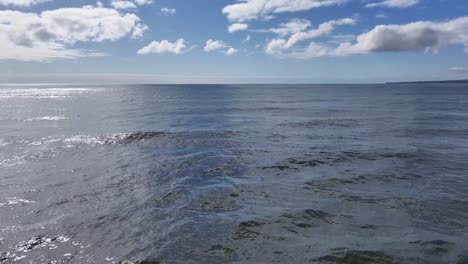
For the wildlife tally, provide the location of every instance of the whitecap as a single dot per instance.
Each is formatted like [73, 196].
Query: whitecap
[16, 201]
[84, 139]
[47, 118]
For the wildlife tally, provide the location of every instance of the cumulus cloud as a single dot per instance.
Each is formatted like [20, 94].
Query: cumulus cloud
[139, 30]
[293, 26]
[458, 69]
[418, 36]
[237, 27]
[21, 2]
[426, 36]
[279, 46]
[263, 9]
[394, 3]
[218, 45]
[143, 2]
[49, 35]
[212, 45]
[231, 51]
[168, 11]
[121, 4]
[128, 4]
[165, 46]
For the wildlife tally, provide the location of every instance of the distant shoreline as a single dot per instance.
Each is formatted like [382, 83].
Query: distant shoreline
[444, 81]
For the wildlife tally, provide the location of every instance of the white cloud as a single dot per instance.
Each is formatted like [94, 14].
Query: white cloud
[418, 36]
[323, 29]
[213, 45]
[21, 2]
[122, 4]
[168, 11]
[139, 30]
[263, 9]
[49, 35]
[143, 2]
[394, 3]
[129, 4]
[425, 35]
[458, 69]
[237, 27]
[293, 26]
[164, 46]
[231, 51]
[279, 46]
[218, 45]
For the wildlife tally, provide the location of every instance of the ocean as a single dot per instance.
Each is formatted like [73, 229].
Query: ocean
[234, 173]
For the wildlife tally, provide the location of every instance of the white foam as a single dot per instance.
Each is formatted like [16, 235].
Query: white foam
[84, 139]
[12, 161]
[47, 118]
[16, 201]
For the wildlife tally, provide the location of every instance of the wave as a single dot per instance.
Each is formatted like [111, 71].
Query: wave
[47, 118]
[92, 140]
[324, 123]
[15, 201]
[328, 158]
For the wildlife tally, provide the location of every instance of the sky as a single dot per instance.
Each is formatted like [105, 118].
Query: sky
[232, 41]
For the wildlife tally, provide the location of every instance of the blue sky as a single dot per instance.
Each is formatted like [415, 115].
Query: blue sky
[276, 41]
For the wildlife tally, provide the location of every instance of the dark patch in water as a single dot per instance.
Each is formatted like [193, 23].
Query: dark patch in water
[169, 198]
[220, 250]
[348, 256]
[133, 137]
[343, 123]
[3, 257]
[214, 201]
[291, 222]
[280, 167]
[310, 216]
[368, 227]
[327, 158]
[435, 247]
[245, 230]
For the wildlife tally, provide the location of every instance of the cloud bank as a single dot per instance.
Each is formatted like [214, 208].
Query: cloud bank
[48, 35]
[297, 31]
[418, 36]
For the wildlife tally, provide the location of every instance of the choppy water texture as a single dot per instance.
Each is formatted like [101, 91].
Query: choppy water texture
[234, 174]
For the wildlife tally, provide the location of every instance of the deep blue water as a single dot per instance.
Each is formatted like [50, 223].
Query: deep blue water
[234, 174]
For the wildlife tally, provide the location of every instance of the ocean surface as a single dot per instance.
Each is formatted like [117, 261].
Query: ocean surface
[234, 174]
